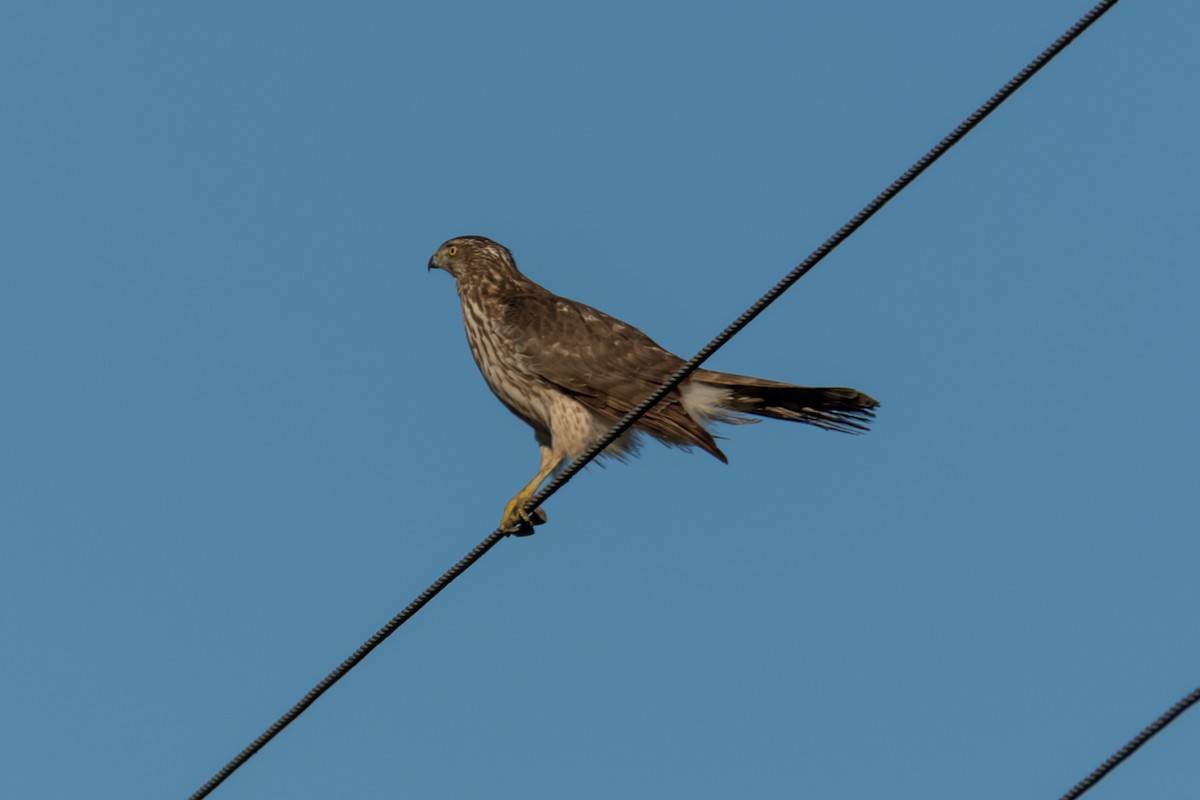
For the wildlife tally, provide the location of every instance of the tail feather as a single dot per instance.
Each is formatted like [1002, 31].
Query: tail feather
[831, 408]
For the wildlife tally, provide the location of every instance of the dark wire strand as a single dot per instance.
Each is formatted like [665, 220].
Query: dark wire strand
[629, 419]
[349, 664]
[1132, 747]
[825, 249]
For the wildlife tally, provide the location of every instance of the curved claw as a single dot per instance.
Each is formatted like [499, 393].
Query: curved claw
[517, 520]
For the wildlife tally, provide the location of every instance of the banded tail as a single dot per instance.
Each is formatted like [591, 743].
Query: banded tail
[831, 408]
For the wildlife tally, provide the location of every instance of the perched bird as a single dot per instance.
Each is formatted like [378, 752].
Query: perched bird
[571, 372]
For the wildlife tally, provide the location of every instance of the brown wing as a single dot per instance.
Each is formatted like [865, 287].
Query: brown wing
[607, 365]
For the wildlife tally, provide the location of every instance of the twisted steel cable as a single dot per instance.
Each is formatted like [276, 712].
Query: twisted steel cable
[1132, 747]
[825, 249]
[687, 369]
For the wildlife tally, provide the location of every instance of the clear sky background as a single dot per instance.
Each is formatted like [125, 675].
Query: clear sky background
[241, 428]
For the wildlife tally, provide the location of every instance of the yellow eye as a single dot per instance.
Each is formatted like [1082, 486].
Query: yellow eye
[452, 250]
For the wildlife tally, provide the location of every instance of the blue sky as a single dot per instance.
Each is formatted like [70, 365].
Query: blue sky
[242, 428]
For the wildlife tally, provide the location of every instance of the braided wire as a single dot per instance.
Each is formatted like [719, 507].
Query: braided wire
[825, 249]
[333, 677]
[1132, 747]
[633, 416]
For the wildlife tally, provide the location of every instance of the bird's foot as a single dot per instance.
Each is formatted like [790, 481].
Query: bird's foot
[517, 520]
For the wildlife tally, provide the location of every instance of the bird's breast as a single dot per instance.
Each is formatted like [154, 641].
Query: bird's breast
[505, 369]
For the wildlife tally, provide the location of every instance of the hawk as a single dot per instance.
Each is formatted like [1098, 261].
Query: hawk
[571, 372]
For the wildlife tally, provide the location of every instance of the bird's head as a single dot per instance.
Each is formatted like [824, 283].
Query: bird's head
[465, 256]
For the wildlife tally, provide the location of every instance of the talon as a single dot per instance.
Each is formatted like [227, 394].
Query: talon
[517, 520]
[522, 528]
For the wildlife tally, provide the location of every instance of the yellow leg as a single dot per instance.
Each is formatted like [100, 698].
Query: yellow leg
[514, 513]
